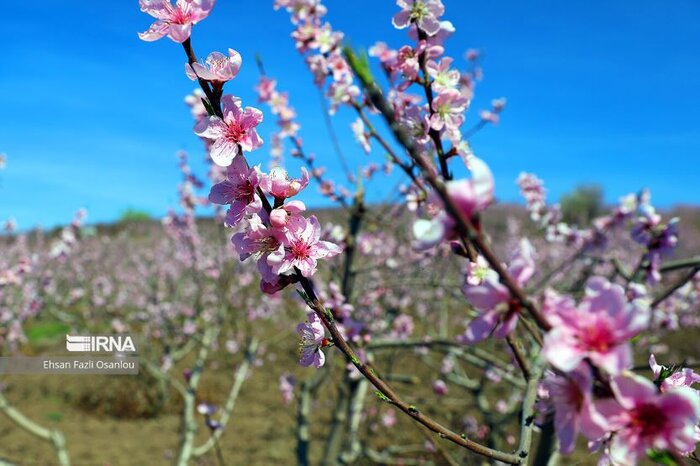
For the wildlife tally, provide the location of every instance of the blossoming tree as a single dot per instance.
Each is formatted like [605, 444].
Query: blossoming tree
[567, 328]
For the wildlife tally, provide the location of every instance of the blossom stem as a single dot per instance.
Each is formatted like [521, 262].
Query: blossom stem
[519, 353]
[214, 101]
[50, 435]
[672, 288]
[434, 134]
[334, 137]
[408, 169]
[474, 129]
[528, 414]
[314, 173]
[680, 264]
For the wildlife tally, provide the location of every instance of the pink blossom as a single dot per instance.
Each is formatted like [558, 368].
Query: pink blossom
[257, 240]
[402, 327]
[448, 108]
[238, 190]
[266, 89]
[327, 188]
[341, 93]
[475, 194]
[425, 13]
[234, 133]
[385, 55]
[217, 68]
[470, 196]
[407, 63]
[499, 313]
[472, 54]
[642, 418]
[287, 383]
[682, 377]
[477, 271]
[570, 397]
[488, 116]
[194, 101]
[318, 65]
[278, 184]
[440, 388]
[174, 21]
[434, 43]
[281, 216]
[325, 39]
[444, 78]
[302, 10]
[312, 340]
[599, 328]
[301, 248]
[389, 418]
[416, 123]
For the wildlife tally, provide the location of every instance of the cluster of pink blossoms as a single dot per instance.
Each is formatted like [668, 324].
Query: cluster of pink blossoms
[630, 415]
[281, 239]
[484, 290]
[286, 115]
[548, 217]
[322, 47]
[288, 128]
[658, 237]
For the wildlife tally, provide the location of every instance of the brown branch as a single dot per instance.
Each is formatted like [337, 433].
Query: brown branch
[671, 289]
[387, 391]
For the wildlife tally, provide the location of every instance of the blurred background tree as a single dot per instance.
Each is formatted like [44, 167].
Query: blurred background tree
[582, 205]
[133, 215]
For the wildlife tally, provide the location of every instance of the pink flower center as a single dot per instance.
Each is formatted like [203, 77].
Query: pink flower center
[181, 16]
[573, 395]
[267, 244]
[235, 132]
[648, 420]
[300, 250]
[597, 338]
[244, 192]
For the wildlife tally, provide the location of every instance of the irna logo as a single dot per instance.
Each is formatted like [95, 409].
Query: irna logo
[102, 343]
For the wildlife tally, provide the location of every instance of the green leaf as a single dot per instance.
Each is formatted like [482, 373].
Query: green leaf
[382, 397]
[207, 105]
[304, 296]
[359, 64]
[662, 457]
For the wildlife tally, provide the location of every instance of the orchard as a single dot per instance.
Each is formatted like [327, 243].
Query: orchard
[437, 327]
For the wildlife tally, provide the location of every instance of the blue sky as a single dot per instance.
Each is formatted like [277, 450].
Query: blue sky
[598, 91]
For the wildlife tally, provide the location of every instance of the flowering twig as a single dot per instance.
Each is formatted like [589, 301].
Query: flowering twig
[465, 225]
